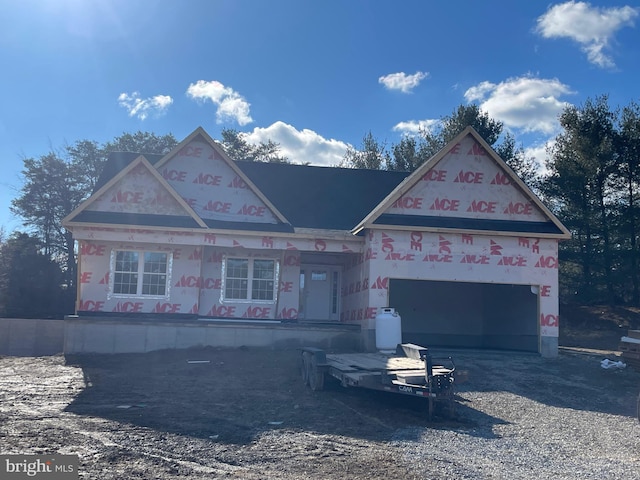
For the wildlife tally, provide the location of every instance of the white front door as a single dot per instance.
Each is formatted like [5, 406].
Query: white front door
[319, 292]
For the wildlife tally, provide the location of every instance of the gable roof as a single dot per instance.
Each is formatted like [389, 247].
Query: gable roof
[187, 219]
[540, 219]
[193, 149]
[331, 198]
[117, 162]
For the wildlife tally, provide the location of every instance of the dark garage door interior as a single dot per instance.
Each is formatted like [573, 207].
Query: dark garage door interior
[469, 315]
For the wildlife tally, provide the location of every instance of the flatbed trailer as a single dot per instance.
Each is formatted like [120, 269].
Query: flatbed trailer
[411, 370]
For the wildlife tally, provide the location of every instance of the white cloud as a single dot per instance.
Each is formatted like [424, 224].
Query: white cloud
[300, 146]
[413, 127]
[526, 103]
[141, 108]
[401, 81]
[230, 104]
[539, 153]
[592, 27]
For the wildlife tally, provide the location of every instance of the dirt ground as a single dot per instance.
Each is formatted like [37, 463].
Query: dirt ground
[245, 413]
[597, 326]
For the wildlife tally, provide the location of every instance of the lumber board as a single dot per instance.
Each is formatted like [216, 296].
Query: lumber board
[440, 370]
[634, 334]
[628, 347]
[371, 362]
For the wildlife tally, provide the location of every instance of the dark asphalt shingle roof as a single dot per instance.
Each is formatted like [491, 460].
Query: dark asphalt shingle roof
[309, 197]
[117, 162]
[138, 219]
[322, 197]
[467, 223]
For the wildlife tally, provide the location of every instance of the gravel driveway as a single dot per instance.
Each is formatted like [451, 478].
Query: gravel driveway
[532, 418]
[245, 414]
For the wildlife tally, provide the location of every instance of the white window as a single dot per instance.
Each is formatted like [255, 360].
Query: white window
[142, 274]
[249, 279]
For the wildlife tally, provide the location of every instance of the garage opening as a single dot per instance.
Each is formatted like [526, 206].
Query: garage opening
[470, 315]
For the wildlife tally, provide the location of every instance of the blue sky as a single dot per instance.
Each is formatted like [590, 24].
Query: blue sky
[313, 76]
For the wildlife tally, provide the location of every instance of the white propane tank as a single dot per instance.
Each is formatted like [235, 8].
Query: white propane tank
[388, 330]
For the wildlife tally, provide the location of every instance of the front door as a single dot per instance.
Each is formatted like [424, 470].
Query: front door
[319, 292]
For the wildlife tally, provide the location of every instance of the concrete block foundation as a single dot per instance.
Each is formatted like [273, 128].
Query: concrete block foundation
[131, 336]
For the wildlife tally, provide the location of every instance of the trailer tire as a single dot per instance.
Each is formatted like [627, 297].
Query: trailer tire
[315, 374]
[452, 408]
[431, 407]
[304, 367]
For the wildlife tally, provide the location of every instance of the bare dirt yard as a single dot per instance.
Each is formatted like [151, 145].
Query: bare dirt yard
[245, 413]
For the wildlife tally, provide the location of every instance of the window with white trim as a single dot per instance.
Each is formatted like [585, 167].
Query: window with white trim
[249, 279]
[140, 273]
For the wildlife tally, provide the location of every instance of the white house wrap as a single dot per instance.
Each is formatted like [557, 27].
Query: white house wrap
[461, 247]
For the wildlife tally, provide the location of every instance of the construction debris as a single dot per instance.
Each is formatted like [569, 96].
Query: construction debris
[630, 348]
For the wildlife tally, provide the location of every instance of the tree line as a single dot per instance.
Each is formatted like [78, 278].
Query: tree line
[413, 151]
[591, 181]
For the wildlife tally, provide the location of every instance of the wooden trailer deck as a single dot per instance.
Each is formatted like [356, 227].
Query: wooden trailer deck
[410, 371]
[358, 366]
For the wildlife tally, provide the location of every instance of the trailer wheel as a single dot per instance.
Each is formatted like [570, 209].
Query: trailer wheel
[452, 408]
[314, 374]
[304, 367]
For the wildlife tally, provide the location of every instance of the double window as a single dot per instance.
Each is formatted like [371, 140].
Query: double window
[147, 274]
[140, 273]
[249, 279]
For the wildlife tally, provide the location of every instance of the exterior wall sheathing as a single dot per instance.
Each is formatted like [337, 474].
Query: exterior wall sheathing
[195, 281]
[484, 259]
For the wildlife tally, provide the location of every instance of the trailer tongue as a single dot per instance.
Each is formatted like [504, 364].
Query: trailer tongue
[410, 371]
